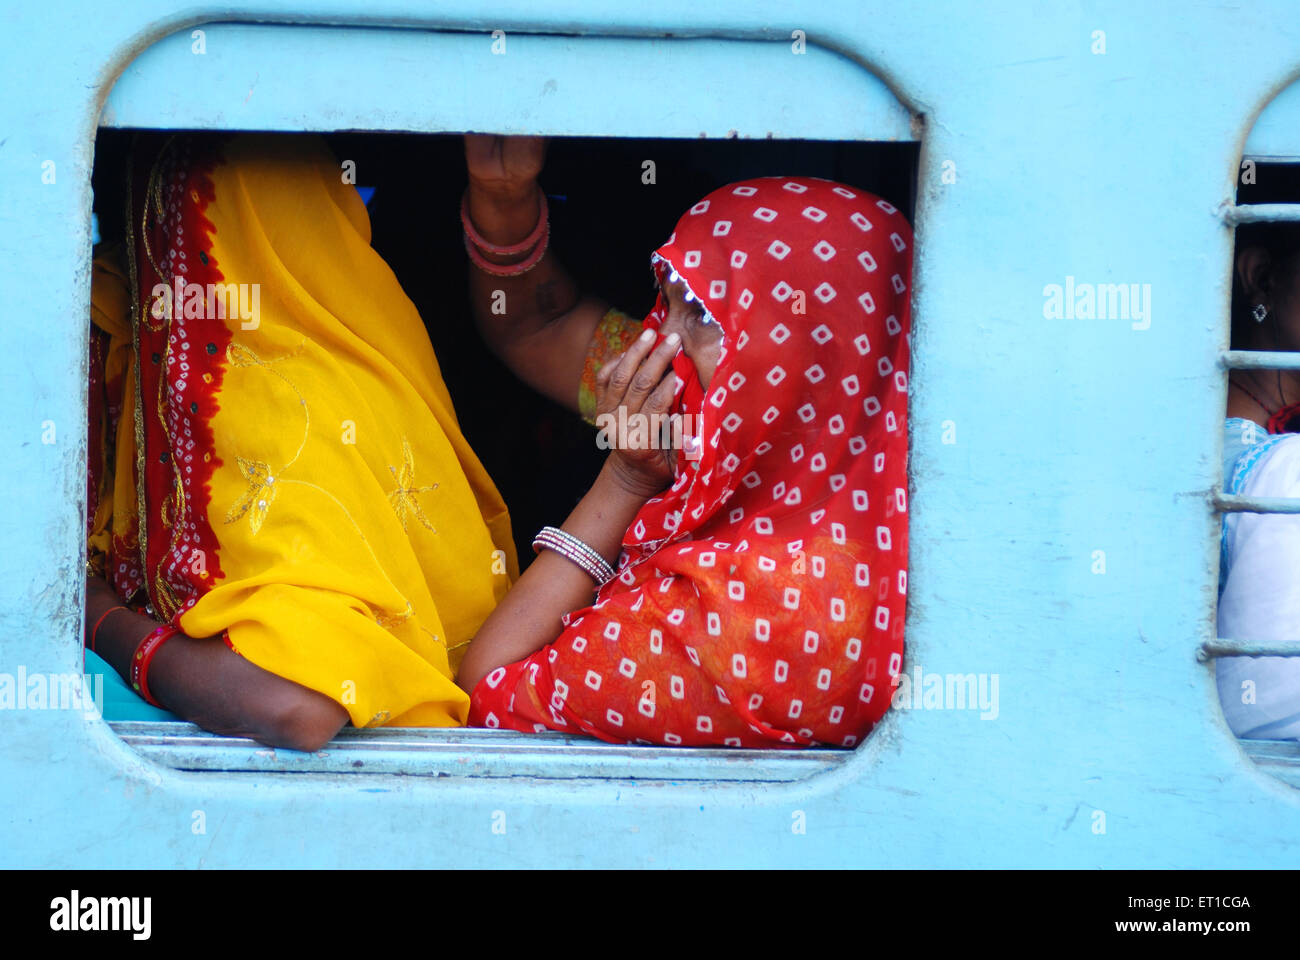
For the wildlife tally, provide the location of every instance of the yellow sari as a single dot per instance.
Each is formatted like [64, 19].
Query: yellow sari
[288, 468]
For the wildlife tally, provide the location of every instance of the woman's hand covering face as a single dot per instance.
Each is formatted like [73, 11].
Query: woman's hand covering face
[634, 394]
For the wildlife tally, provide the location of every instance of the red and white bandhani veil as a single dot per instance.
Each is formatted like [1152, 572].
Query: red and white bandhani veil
[760, 599]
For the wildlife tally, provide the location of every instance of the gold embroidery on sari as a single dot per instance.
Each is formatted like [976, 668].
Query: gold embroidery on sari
[256, 500]
[263, 484]
[393, 620]
[403, 498]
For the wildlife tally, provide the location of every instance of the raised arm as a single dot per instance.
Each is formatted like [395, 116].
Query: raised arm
[536, 322]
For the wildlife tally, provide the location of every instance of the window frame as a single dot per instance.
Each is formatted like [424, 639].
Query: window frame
[466, 752]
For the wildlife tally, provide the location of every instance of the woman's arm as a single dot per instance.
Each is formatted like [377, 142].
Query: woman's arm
[537, 322]
[207, 683]
[529, 616]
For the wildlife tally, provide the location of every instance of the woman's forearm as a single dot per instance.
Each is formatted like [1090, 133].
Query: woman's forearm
[508, 309]
[536, 322]
[204, 681]
[640, 384]
[529, 616]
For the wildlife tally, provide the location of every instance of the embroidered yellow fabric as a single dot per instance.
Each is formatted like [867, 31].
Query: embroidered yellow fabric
[334, 430]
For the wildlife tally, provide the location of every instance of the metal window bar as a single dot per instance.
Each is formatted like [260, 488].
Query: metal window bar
[1232, 215]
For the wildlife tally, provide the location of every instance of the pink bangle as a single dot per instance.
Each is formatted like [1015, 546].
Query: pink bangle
[507, 269]
[511, 250]
[143, 657]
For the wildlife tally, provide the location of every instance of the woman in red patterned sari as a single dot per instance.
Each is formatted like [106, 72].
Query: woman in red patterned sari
[759, 569]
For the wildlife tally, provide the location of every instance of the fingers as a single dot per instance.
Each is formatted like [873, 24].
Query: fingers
[650, 373]
[620, 378]
[641, 384]
[610, 386]
[640, 371]
[494, 156]
[602, 375]
[479, 147]
[533, 149]
[661, 399]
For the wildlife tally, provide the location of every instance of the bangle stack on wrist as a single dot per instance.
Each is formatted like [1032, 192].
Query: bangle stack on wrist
[573, 549]
[143, 657]
[536, 242]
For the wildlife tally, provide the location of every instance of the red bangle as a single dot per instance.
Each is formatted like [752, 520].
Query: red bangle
[523, 246]
[95, 630]
[144, 655]
[507, 269]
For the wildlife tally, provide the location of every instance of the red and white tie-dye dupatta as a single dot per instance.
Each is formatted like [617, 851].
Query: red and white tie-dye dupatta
[760, 599]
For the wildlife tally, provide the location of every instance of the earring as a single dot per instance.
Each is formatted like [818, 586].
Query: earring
[1259, 312]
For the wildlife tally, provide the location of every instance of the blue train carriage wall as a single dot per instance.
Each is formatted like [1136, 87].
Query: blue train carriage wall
[1065, 498]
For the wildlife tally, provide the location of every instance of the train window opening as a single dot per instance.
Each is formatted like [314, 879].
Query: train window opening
[1257, 662]
[620, 168]
[606, 215]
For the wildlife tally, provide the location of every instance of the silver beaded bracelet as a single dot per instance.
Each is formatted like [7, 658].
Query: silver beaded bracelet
[573, 549]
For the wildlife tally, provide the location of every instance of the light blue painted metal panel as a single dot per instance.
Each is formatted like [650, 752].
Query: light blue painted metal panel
[276, 78]
[1071, 437]
[1273, 137]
